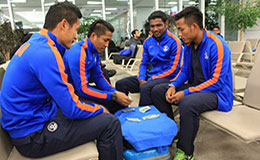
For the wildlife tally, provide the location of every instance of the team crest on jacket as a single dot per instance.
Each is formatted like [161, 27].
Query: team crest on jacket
[52, 126]
[206, 55]
[165, 48]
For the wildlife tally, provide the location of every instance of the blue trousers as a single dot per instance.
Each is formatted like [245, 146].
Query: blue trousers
[190, 108]
[131, 84]
[105, 128]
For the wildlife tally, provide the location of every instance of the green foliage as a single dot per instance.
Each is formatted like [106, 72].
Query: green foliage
[9, 39]
[241, 16]
[211, 13]
[237, 17]
[84, 26]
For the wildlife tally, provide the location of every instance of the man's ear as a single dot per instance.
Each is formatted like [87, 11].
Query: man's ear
[93, 35]
[64, 24]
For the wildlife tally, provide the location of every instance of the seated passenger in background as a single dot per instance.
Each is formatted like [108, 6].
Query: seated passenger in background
[135, 39]
[40, 111]
[207, 68]
[162, 53]
[82, 62]
[216, 30]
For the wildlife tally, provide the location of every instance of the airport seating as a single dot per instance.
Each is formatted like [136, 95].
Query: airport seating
[241, 51]
[132, 61]
[254, 42]
[243, 120]
[86, 151]
[249, 65]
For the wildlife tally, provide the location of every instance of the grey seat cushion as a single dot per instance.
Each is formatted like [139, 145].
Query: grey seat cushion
[242, 122]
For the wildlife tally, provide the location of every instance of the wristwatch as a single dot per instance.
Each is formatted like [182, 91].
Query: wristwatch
[170, 85]
[114, 96]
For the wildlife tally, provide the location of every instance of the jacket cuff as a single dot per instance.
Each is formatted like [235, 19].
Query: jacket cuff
[186, 91]
[109, 95]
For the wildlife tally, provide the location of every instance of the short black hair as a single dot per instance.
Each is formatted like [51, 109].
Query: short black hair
[58, 12]
[216, 26]
[191, 15]
[100, 27]
[158, 14]
[133, 32]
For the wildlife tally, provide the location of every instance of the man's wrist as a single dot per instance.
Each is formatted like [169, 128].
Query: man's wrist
[113, 96]
[171, 85]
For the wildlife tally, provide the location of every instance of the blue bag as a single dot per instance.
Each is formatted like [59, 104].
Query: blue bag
[159, 153]
[145, 127]
[125, 52]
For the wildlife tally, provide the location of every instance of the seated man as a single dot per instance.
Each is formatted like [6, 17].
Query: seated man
[162, 52]
[216, 30]
[82, 62]
[135, 38]
[207, 68]
[40, 111]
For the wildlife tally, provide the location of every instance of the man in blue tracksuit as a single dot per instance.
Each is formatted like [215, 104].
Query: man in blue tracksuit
[161, 55]
[40, 111]
[207, 68]
[82, 61]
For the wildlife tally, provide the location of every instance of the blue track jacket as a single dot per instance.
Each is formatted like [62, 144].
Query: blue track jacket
[82, 61]
[164, 55]
[35, 84]
[216, 66]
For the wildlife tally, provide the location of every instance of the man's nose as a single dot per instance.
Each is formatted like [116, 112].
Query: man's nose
[180, 34]
[76, 36]
[106, 44]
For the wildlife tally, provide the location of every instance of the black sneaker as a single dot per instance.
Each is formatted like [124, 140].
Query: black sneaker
[111, 72]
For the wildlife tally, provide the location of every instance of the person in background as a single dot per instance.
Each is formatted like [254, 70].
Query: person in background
[135, 39]
[216, 30]
[82, 62]
[207, 68]
[40, 110]
[162, 51]
[142, 36]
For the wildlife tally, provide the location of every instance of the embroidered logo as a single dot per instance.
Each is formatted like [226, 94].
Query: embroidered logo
[206, 55]
[150, 46]
[165, 48]
[52, 126]
[89, 62]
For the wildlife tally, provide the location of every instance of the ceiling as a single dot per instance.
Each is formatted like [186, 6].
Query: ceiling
[30, 13]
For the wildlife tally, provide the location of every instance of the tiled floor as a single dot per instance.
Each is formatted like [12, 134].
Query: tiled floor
[211, 143]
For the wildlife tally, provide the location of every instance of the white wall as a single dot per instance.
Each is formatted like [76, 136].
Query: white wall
[140, 16]
[252, 32]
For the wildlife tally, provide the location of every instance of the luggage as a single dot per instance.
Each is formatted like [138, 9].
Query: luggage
[160, 153]
[145, 127]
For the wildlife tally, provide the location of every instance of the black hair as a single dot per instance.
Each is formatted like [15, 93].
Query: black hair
[191, 15]
[100, 27]
[133, 32]
[216, 27]
[58, 12]
[147, 28]
[158, 14]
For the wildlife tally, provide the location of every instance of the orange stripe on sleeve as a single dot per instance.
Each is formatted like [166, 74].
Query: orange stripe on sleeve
[217, 71]
[22, 49]
[83, 78]
[64, 78]
[176, 59]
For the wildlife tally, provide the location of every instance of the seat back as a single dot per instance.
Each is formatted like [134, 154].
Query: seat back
[139, 52]
[257, 52]
[236, 46]
[254, 42]
[251, 97]
[5, 141]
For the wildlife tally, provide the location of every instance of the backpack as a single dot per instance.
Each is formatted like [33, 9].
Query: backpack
[138, 127]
